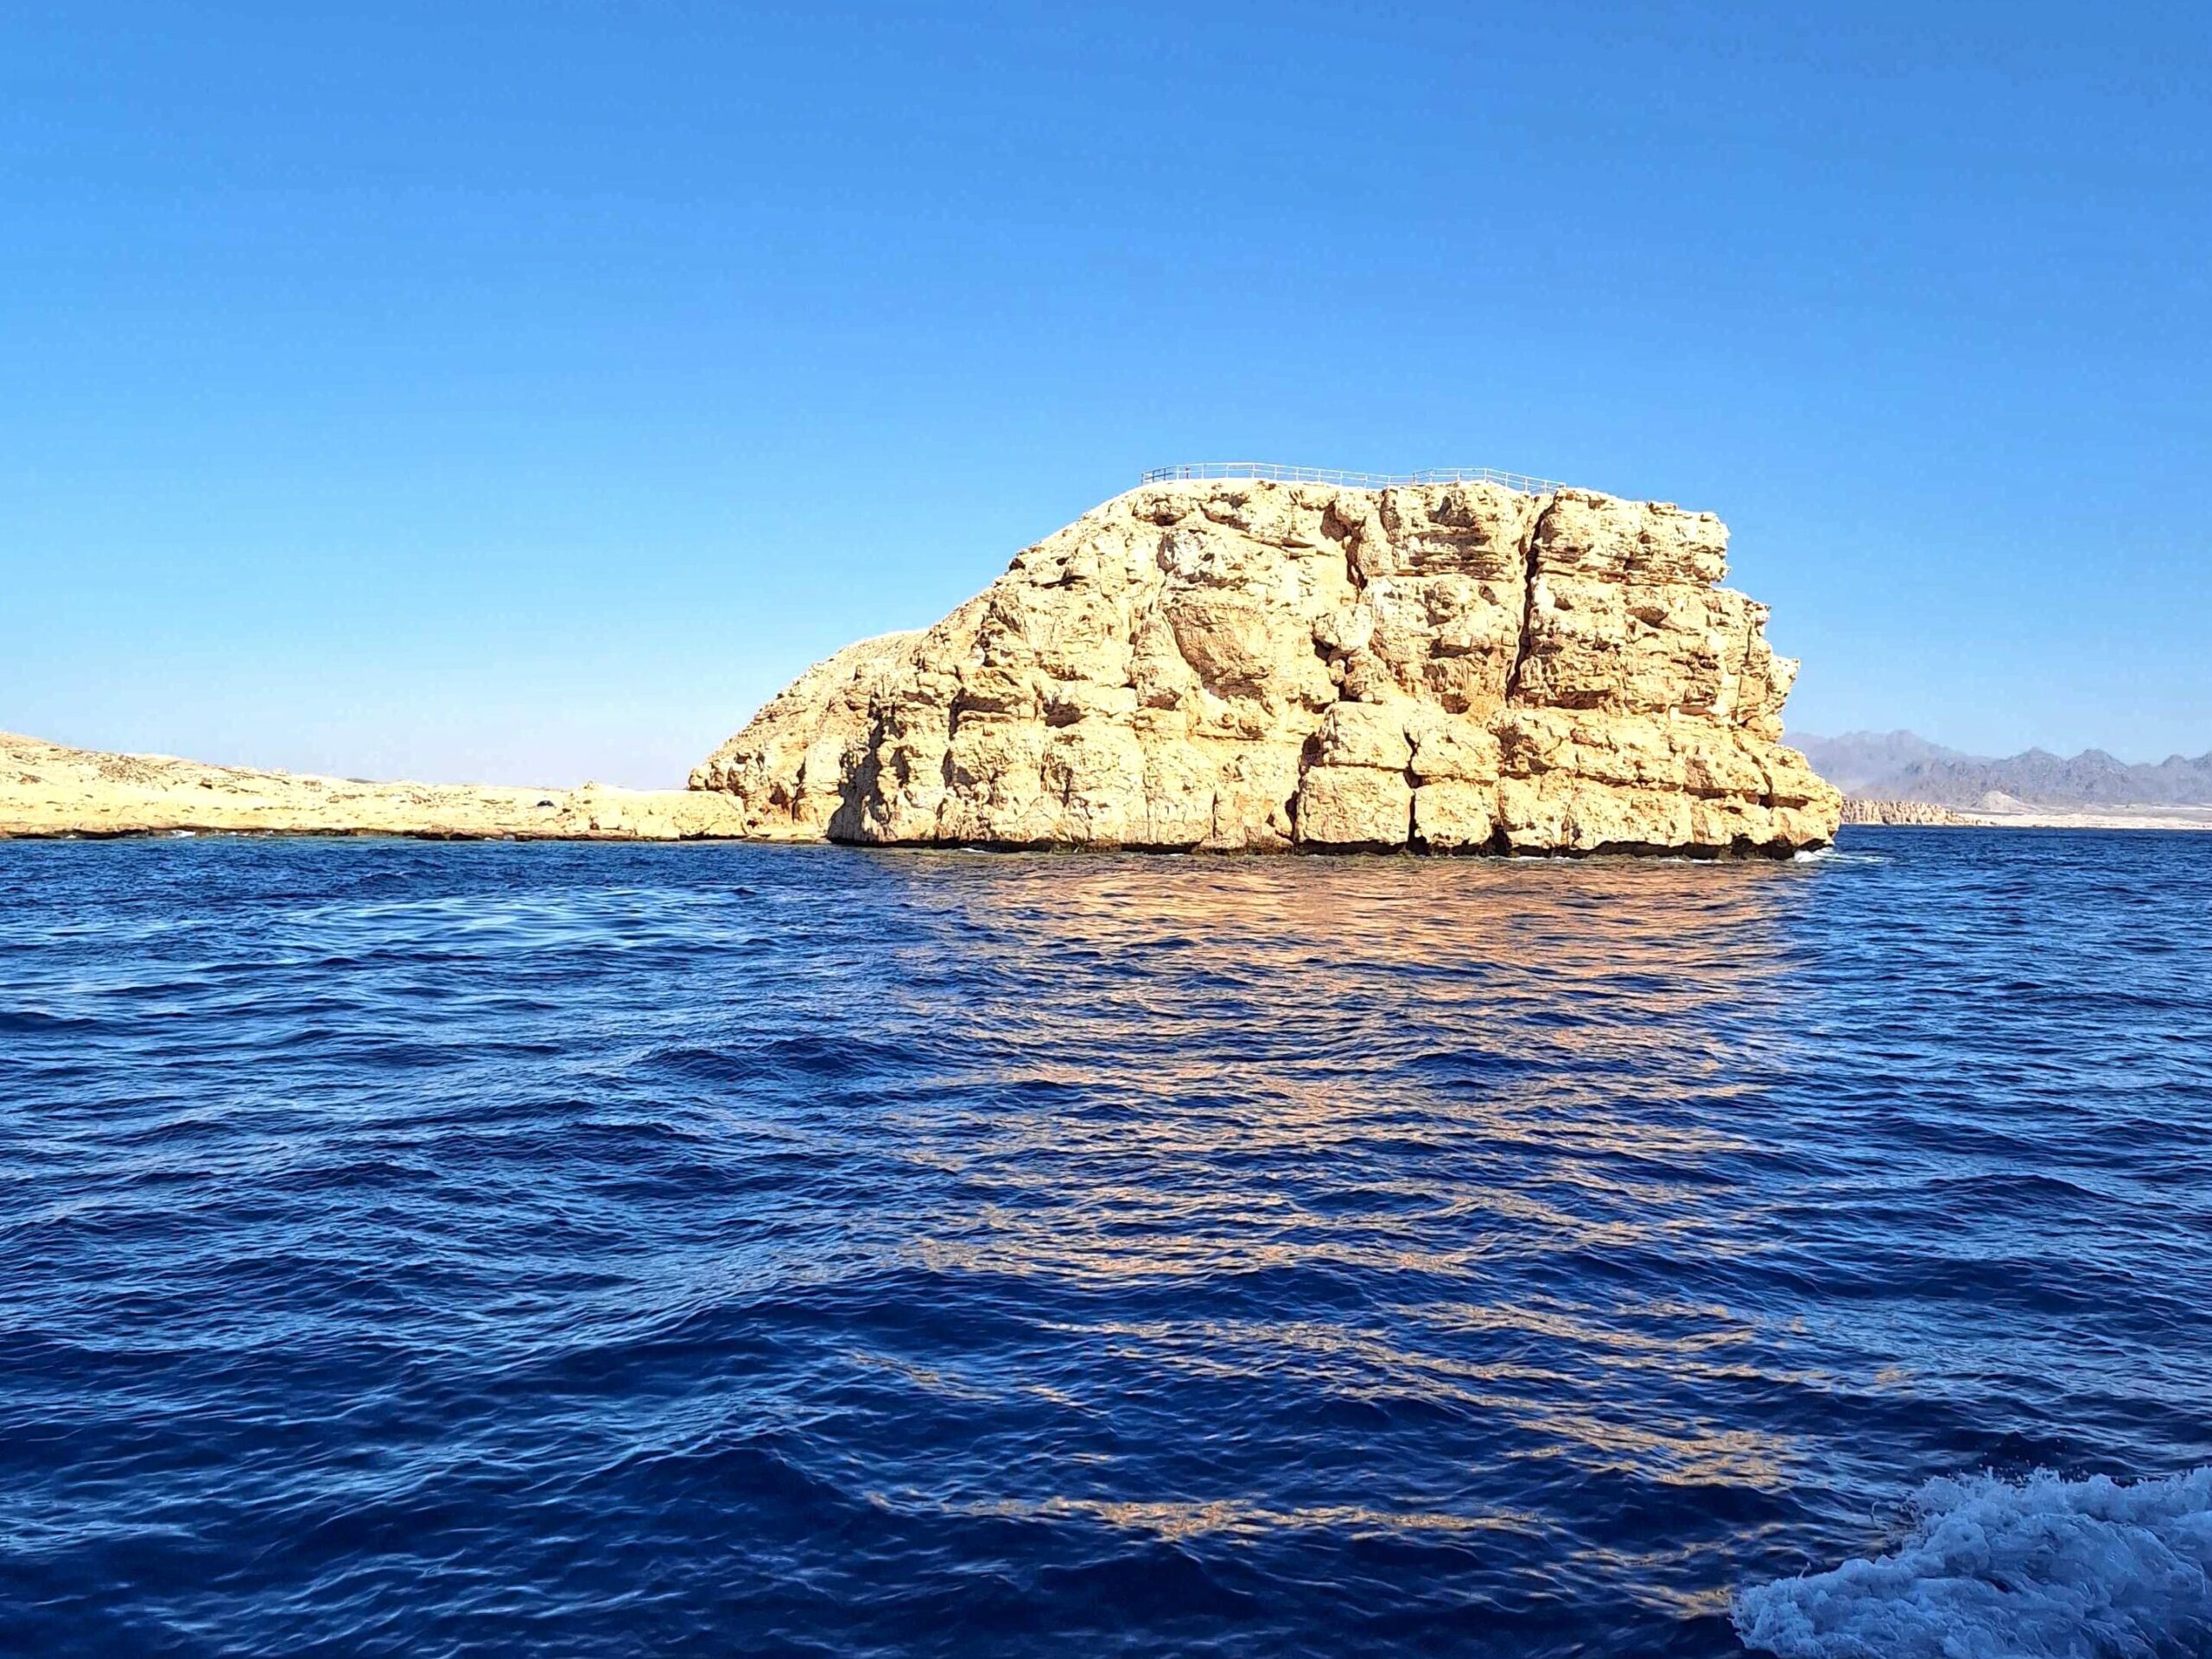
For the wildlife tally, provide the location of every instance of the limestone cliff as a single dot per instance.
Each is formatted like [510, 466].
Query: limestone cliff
[1244, 664]
[1857, 809]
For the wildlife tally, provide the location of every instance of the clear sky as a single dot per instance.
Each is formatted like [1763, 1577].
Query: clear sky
[523, 389]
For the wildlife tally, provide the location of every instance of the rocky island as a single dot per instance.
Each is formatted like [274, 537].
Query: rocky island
[1243, 665]
[1225, 665]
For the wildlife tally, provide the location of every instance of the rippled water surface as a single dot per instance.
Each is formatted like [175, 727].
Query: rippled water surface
[427, 1250]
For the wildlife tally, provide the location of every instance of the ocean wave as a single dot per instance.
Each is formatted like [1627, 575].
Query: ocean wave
[1997, 1569]
[1832, 854]
[581, 1249]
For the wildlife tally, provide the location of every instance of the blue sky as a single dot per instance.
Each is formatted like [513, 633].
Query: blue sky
[526, 391]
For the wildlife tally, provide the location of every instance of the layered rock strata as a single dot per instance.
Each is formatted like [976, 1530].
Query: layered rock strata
[1859, 811]
[50, 789]
[1249, 666]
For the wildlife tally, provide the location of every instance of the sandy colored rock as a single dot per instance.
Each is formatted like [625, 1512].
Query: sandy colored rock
[1250, 665]
[47, 789]
[1856, 810]
[789, 786]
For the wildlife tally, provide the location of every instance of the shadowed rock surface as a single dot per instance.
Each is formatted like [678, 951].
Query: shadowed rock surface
[1250, 665]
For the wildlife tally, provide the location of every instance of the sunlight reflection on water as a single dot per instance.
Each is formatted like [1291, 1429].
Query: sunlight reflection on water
[801, 1248]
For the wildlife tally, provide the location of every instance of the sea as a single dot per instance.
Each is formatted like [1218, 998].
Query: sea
[429, 1250]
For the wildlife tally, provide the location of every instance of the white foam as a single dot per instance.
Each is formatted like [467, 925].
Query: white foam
[1994, 1569]
[1833, 853]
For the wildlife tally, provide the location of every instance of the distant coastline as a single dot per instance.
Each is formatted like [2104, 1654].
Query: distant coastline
[2019, 815]
[1858, 809]
[1903, 766]
[50, 790]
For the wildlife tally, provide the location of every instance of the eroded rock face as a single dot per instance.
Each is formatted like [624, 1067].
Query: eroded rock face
[1249, 665]
[1890, 811]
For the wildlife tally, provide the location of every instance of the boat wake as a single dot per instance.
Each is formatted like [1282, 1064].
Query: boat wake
[2020, 1569]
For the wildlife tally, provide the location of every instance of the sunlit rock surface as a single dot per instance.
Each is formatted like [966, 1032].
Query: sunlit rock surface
[1249, 666]
[50, 789]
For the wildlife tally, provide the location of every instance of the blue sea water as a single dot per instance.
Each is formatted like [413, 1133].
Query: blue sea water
[437, 1249]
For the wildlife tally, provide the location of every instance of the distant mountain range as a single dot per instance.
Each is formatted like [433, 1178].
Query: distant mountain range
[1903, 765]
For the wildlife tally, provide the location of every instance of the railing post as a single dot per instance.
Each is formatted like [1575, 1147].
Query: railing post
[1279, 471]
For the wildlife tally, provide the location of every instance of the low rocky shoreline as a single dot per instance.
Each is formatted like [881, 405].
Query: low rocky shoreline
[51, 790]
[2023, 815]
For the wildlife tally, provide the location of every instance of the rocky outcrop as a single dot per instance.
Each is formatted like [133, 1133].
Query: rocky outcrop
[1857, 810]
[1249, 666]
[48, 788]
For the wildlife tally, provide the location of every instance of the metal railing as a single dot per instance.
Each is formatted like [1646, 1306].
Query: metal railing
[1522, 481]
